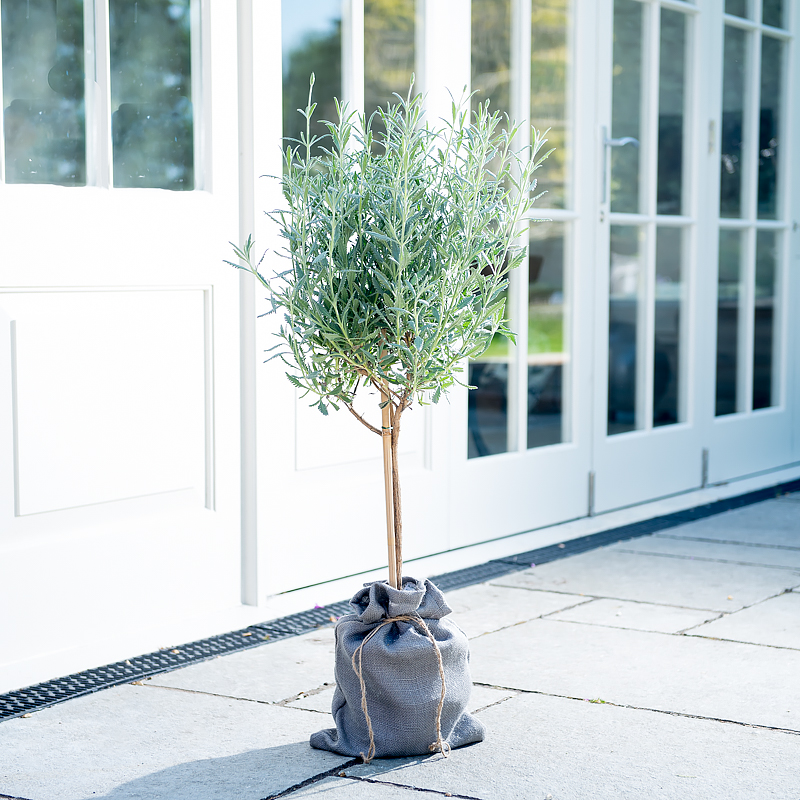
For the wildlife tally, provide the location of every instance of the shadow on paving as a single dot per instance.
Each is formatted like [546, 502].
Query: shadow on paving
[252, 775]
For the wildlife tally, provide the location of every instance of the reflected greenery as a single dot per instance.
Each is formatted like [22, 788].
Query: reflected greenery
[491, 54]
[389, 52]
[550, 65]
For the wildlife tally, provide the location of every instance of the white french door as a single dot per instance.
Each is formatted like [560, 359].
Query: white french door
[119, 387]
[755, 239]
[647, 429]
[526, 456]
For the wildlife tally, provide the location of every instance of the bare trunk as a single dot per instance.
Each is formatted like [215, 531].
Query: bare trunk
[388, 481]
[398, 509]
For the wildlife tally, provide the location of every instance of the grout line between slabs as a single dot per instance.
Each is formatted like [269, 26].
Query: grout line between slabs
[711, 560]
[725, 541]
[723, 614]
[683, 714]
[616, 599]
[332, 772]
[437, 792]
[276, 703]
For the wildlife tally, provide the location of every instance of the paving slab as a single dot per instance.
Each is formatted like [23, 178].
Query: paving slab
[774, 622]
[543, 747]
[749, 554]
[635, 616]
[480, 697]
[484, 608]
[271, 673]
[146, 743]
[689, 675]
[775, 522]
[607, 572]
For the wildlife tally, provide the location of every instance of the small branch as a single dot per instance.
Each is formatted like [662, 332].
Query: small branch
[361, 419]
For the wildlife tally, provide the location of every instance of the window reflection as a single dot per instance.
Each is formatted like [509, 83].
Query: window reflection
[769, 127]
[491, 54]
[550, 65]
[729, 298]
[43, 91]
[625, 285]
[740, 8]
[389, 30]
[764, 371]
[733, 105]
[671, 99]
[773, 13]
[626, 103]
[669, 311]
[152, 119]
[311, 34]
[487, 421]
[547, 350]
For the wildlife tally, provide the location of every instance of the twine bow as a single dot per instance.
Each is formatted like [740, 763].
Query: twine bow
[440, 745]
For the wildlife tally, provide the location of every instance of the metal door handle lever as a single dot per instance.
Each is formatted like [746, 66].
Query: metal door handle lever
[621, 142]
[607, 142]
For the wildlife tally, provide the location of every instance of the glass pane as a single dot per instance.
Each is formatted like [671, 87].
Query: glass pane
[769, 127]
[43, 85]
[550, 68]
[625, 284]
[491, 54]
[741, 8]
[764, 372]
[152, 120]
[626, 104]
[488, 403]
[733, 104]
[311, 36]
[388, 51]
[772, 13]
[671, 99]
[669, 312]
[729, 298]
[547, 350]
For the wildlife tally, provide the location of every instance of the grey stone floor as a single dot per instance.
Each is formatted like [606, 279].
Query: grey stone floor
[664, 667]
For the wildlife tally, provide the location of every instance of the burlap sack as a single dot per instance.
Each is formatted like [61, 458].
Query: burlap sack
[401, 676]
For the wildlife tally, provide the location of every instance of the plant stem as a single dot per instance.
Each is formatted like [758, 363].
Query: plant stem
[388, 481]
[398, 515]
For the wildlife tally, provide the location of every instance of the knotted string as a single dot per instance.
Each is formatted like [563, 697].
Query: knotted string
[439, 745]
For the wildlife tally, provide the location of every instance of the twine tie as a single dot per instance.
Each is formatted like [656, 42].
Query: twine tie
[439, 746]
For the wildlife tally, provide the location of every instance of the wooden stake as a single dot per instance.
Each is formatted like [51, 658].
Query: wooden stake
[386, 423]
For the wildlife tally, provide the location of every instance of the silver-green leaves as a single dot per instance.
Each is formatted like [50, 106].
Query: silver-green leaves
[399, 244]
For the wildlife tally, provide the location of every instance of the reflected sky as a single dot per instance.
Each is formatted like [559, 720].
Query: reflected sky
[301, 19]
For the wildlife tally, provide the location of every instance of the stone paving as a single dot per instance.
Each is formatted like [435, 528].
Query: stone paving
[663, 667]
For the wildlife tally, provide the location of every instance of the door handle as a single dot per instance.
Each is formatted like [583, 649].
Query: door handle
[608, 142]
[621, 142]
